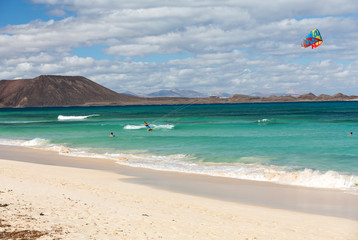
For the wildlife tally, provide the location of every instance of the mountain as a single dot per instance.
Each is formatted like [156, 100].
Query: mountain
[177, 93]
[294, 92]
[128, 93]
[50, 90]
[221, 94]
[260, 94]
[307, 97]
[291, 92]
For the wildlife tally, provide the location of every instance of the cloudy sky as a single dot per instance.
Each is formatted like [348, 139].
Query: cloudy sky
[233, 46]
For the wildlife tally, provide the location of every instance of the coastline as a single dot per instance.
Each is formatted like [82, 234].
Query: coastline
[331, 202]
[83, 198]
[172, 101]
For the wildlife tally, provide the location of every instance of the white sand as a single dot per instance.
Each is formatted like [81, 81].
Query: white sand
[71, 203]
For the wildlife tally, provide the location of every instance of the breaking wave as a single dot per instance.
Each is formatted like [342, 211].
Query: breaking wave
[62, 118]
[188, 164]
[133, 127]
[264, 120]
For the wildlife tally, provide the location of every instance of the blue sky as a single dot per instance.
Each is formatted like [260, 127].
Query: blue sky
[208, 46]
[15, 12]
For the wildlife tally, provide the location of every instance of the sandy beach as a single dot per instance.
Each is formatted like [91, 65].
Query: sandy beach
[47, 196]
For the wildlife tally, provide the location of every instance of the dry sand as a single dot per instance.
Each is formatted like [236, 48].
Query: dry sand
[40, 201]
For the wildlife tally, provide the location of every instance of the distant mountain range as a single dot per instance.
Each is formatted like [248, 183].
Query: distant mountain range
[194, 94]
[178, 93]
[291, 92]
[51, 91]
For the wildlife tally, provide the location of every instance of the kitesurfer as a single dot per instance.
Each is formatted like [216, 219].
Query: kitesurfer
[147, 126]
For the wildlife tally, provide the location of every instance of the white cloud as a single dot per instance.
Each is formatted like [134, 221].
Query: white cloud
[223, 38]
[22, 67]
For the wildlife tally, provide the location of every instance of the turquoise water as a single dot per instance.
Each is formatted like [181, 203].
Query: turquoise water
[304, 144]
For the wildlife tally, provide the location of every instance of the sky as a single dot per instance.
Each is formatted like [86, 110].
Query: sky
[210, 46]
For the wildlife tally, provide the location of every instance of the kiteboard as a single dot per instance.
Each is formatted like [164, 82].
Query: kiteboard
[150, 129]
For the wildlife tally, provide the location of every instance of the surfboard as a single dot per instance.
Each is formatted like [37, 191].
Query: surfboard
[150, 129]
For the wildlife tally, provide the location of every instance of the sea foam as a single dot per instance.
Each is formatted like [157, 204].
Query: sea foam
[256, 172]
[61, 117]
[188, 164]
[154, 126]
[133, 127]
[163, 126]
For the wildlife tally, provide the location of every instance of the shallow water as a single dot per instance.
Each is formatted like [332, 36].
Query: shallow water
[305, 144]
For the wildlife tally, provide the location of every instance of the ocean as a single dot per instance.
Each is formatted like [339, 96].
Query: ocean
[303, 144]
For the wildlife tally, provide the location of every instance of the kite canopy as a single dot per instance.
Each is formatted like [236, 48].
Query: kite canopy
[313, 39]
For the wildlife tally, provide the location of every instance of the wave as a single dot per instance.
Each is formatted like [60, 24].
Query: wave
[131, 127]
[38, 143]
[61, 117]
[256, 172]
[188, 164]
[164, 126]
[154, 126]
[24, 122]
[264, 120]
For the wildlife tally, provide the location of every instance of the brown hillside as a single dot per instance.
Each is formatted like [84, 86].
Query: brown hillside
[49, 90]
[307, 97]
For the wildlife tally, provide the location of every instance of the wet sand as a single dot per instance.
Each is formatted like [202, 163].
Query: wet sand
[84, 198]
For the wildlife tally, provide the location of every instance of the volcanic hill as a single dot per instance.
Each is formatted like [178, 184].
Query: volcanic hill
[50, 91]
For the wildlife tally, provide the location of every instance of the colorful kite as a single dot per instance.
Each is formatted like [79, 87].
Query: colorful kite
[313, 39]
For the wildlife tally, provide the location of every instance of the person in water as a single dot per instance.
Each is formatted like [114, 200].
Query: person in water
[147, 125]
[111, 135]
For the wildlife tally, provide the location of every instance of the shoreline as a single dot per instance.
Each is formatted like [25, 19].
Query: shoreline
[330, 202]
[282, 175]
[173, 102]
[49, 196]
